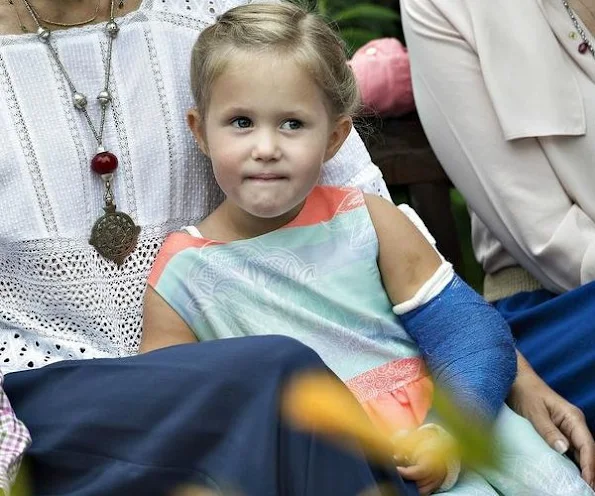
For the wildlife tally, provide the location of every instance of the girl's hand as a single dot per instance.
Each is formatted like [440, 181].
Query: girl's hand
[425, 455]
[559, 422]
[428, 472]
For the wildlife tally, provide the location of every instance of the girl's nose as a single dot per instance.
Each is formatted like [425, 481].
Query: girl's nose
[266, 146]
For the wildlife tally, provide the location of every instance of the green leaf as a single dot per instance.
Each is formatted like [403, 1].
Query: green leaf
[23, 484]
[366, 11]
[477, 442]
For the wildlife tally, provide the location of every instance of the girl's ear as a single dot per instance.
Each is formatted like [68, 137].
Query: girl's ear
[338, 135]
[196, 125]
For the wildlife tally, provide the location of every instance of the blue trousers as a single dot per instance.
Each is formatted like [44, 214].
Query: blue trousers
[205, 414]
[556, 333]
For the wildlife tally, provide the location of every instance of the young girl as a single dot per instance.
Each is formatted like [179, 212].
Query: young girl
[347, 274]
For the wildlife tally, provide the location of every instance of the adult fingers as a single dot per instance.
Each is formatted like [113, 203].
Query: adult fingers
[542, 417]
[572, 423]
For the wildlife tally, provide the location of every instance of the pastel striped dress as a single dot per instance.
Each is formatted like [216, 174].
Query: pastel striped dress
[317, 280]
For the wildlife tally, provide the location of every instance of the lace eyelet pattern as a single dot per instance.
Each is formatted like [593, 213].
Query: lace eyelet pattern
[95, 310]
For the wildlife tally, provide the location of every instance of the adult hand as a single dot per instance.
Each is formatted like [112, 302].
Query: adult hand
[560, 423]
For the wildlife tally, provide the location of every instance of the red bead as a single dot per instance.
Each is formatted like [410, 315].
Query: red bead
[583, 47]
[104, 163]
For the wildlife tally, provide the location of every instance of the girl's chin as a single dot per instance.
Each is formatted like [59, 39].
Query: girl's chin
[269, 212]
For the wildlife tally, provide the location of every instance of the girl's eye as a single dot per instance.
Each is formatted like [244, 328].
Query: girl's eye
[241, 122]
[292, 124]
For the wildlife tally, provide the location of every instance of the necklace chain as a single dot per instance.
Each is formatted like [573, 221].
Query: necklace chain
[80, 100]
[114, 235]
[579, 28]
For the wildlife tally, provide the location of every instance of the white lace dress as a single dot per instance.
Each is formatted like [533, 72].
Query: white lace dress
[58, 298]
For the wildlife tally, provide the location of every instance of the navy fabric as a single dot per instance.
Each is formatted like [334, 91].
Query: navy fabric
[468, 347]
[203, 413]
[556, 333]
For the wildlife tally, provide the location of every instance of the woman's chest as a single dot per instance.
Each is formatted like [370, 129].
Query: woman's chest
[47, 188]
[573, 157]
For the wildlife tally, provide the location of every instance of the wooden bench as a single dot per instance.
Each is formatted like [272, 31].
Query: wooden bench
[400, 149]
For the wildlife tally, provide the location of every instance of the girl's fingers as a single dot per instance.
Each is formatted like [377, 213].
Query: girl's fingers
[428, 488]
[425, 477]
[415, 472]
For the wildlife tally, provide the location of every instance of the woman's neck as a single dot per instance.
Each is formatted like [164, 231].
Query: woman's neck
[585, 9]
[14, 16]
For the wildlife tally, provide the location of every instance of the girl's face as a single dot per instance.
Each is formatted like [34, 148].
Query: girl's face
[267, 131]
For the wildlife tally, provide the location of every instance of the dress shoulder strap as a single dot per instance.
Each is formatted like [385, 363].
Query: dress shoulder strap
[193, 231]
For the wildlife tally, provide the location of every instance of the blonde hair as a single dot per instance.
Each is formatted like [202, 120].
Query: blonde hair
[286, 30]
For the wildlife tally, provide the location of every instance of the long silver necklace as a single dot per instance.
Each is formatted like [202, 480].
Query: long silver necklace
[586, 42]
[114, 235]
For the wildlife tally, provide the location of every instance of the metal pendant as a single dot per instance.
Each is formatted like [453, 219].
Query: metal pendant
[114, 234]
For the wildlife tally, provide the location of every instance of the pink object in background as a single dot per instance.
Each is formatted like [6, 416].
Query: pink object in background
[382, 71]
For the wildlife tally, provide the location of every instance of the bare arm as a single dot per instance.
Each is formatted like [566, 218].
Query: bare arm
[458, 333]
[406, 259]
[162, 326]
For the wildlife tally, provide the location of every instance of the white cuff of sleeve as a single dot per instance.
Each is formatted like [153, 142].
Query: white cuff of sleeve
[430, 289]
[453, 464]
[453, 470]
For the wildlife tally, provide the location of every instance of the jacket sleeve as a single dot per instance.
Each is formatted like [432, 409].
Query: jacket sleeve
[510, 185]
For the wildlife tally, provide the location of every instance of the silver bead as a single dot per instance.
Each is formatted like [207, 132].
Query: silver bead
[112, 29]
[79, 100]
[104, 97]
[107, 177]
[43, 34]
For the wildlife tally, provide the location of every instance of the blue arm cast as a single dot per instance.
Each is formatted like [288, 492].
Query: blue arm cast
[468, 348]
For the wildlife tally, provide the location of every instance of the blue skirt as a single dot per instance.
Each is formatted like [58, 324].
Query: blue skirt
[206, 414]
[556, 333]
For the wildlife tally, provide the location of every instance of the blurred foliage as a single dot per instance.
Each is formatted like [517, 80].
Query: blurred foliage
[22, 486]
[319, 402]
[476, 439]
[357, 21]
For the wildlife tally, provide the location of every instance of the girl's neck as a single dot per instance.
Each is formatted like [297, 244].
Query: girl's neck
[231, 223]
